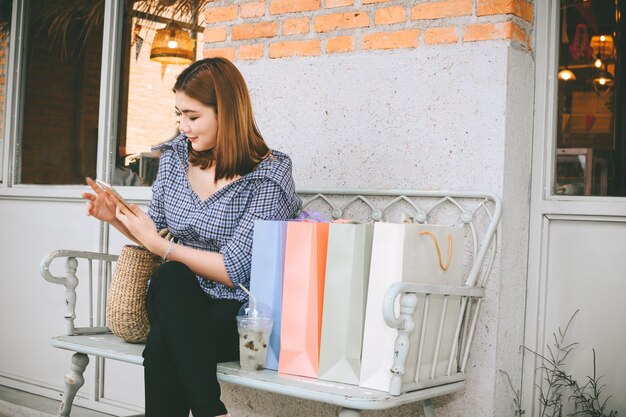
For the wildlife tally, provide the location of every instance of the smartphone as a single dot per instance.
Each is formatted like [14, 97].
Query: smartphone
[111, 191]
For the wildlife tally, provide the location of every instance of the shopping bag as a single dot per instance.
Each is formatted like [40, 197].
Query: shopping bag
[429, 254]
[345, 294]
[303, 290]
[266, 277]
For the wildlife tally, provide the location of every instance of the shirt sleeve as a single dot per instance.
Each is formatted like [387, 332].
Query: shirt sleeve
[268, 202]
[156, 209]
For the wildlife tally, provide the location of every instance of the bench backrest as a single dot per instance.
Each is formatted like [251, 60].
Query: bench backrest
[478, 212]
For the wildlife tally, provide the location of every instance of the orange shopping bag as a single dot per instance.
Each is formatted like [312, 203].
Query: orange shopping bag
[303, 293]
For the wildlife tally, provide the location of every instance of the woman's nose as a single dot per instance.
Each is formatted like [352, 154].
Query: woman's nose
[183, 127]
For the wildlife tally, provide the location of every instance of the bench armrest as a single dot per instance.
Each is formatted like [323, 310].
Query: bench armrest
[70, 281]
[405, 324]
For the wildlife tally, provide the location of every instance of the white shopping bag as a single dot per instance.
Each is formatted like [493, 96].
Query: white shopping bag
[407, 252]
[345, 294]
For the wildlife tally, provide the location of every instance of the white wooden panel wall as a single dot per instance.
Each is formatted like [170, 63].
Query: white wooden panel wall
[31, 311]
[585, 270]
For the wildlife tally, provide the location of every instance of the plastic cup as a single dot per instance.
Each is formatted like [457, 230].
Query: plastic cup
[254, 337]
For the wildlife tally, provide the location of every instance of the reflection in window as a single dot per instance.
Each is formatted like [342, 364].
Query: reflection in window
[591, 143]
[5, 32]
[146, 98]
[61, 93]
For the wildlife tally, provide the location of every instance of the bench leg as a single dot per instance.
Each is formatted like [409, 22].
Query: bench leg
[348, 412]
[73, 381]
[429, 410]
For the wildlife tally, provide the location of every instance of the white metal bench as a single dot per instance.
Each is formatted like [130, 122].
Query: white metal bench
[477, 212]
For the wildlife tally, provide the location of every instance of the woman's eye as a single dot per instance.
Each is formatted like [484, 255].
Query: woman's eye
[192, 118]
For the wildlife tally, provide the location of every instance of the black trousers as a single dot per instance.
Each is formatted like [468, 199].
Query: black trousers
[189, 334]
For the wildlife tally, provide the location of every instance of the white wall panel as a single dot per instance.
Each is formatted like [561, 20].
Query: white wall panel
[31, 309]
[585, 271]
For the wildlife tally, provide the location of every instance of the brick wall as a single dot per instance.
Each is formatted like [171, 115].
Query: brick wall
[274, 29]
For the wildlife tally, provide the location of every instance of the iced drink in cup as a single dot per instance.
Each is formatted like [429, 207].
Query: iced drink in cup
[254, 337]
[254, 323]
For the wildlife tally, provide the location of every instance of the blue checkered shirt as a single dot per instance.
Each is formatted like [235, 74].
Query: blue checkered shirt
[223, 222]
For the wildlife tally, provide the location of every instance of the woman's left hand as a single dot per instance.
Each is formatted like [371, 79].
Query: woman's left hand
[139, 224]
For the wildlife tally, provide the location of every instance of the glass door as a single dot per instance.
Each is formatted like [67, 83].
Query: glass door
[577, 218]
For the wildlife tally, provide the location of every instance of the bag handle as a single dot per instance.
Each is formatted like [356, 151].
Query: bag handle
[434, 238]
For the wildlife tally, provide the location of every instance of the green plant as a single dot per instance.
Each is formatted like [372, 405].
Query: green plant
[517, 399]
[586, 397]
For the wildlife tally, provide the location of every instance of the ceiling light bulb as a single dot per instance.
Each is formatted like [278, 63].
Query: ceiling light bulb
[598, 63]
[566, 75]
[603, 82]
[172, 44]
[602, 38]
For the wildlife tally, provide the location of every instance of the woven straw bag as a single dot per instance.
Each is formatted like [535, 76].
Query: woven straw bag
[126, 314]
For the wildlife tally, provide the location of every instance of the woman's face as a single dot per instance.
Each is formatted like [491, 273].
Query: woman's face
[198, 121]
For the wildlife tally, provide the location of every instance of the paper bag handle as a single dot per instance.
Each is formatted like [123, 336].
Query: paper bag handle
[434, 238]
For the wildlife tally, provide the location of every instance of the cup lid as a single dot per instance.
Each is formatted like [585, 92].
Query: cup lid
[258, 310]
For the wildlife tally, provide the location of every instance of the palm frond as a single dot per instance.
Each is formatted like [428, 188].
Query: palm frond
[6, 6]
[60, 16]
[181, 10]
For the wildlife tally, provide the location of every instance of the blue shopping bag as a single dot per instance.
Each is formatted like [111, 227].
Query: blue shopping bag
[266, 277]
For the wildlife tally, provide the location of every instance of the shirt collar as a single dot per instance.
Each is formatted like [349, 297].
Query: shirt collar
[178, 145]
[274, 167]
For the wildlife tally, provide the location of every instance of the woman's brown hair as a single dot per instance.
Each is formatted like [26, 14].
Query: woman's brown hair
[217, 83]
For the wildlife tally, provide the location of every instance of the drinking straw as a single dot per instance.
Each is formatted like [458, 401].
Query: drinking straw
[252, 299]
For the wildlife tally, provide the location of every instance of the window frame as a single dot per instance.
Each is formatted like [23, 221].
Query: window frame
[13, 89]
[107, 118]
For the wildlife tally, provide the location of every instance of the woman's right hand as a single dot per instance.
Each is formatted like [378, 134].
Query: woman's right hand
[99, 205]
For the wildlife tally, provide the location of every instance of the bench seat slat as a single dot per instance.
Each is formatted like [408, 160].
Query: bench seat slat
[344, 395]
[104, 345]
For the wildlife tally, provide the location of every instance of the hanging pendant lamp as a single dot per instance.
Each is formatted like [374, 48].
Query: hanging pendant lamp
[603, 82]
[172, 45]
[566, 75]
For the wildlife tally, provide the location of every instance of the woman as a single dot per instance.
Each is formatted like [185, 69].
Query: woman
[214, 181]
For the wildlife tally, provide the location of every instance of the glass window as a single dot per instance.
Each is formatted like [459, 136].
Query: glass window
[590, 154]
[61, 93]
[158, 47]
[6, 8]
